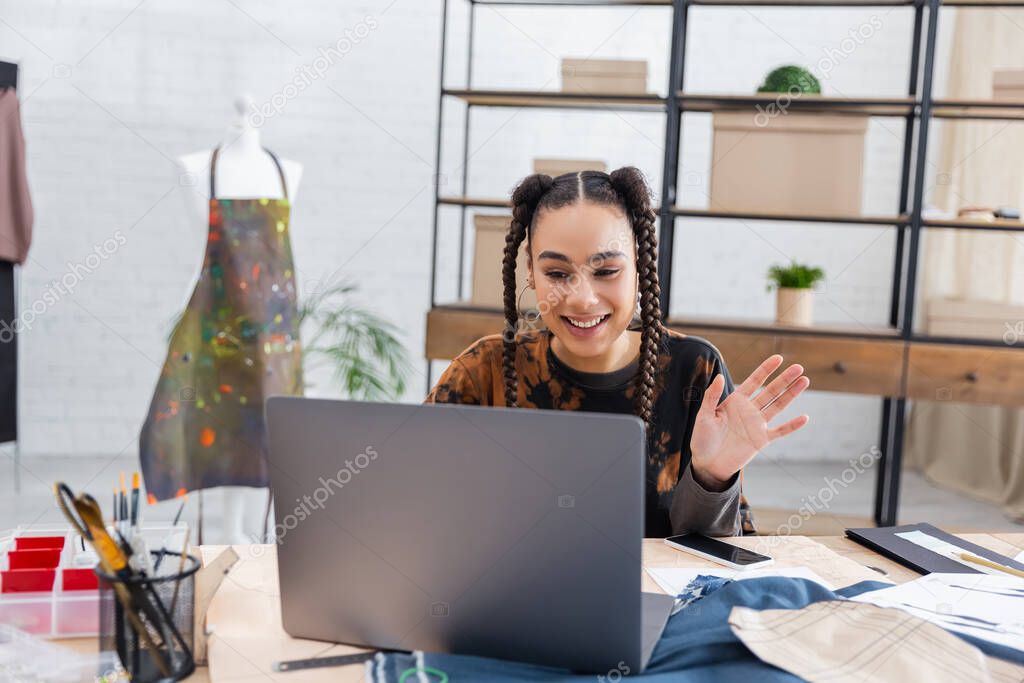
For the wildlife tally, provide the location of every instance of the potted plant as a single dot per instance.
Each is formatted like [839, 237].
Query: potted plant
[773, 157]
[791, 79]
[794, 303]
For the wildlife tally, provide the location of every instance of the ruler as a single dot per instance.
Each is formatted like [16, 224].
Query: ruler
[319, 662]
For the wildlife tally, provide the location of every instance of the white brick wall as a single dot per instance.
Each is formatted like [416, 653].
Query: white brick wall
[115, 91]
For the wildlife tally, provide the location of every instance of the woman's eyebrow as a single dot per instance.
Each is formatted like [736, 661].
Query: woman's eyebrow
[553, 255]
[601, 255]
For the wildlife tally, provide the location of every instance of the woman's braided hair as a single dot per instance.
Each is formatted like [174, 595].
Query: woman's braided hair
[625, 189]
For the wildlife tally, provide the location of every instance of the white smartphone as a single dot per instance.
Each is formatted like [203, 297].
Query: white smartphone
[719, 551]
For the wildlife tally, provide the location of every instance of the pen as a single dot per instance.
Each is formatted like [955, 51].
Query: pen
[115, 508]
[974, 559]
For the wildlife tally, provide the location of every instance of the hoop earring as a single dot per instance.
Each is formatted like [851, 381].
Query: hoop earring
[519, 299]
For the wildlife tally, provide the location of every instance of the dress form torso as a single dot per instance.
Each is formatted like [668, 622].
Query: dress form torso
[244, 170]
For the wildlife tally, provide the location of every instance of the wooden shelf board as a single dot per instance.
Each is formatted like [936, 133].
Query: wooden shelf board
[805, 218]
[560, 100]
[709, 3]
[740, 325]
[803, 3]
[500, 203]
[983, 3]
[862, 106]
[488, 202]
[772, 327]
[857, 364]
[583, 3]
[481, 202]
[998, 110]
[999, 224]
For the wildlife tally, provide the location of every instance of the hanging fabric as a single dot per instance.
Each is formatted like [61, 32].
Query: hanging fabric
[16, 217]
[236, 344]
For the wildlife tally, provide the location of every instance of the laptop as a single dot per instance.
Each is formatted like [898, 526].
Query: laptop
[506, 533]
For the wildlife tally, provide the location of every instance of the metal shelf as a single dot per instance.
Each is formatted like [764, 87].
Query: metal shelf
[791, 217]
[558, 100]
[862, 106]
[918, 108]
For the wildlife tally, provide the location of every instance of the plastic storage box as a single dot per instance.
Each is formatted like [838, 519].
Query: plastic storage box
[47, 584]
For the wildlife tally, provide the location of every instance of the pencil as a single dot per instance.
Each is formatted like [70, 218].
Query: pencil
[974, 559]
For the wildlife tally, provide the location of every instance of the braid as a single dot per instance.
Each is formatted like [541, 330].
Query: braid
[525, 198]
[629, 183]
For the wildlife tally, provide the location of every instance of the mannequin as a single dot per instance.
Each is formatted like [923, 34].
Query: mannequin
[244, 170]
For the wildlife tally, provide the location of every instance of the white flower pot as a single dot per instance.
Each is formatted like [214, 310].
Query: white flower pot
[794, 306]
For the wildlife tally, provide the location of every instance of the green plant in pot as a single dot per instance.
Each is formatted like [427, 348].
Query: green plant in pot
[367, 359]
[794, 285]
[791, 79]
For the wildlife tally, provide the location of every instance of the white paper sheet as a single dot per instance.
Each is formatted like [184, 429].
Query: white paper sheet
[673, 580]
[986, 606]
[946, 549]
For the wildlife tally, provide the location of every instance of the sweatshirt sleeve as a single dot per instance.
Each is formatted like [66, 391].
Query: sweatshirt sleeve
[696, 509]
[712, 513]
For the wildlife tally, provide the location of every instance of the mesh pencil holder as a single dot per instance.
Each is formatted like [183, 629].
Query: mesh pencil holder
[167, 621]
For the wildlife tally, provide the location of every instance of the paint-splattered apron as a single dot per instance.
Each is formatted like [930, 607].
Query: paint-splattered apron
[236, 343]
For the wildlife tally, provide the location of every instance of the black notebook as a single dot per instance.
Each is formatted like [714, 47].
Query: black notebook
[884, 541]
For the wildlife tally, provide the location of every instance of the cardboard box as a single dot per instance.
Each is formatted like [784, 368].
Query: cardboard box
[974, 319]
[604, 76]
[488, 252]
[788, 163]
[1008, 84]
[557, 167]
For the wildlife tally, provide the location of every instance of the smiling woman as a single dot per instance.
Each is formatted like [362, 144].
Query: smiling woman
[592, 255]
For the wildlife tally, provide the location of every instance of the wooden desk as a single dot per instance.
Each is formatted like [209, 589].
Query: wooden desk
[248, 638]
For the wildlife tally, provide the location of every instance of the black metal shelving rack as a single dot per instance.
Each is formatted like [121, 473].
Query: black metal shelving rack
[918, 109]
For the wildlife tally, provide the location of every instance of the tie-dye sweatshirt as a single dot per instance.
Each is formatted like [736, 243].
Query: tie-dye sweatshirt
[675, 502]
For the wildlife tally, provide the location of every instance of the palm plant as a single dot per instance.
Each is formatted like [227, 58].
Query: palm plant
[368, 360]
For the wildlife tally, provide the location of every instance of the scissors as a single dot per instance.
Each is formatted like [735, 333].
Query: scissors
[85, 516]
